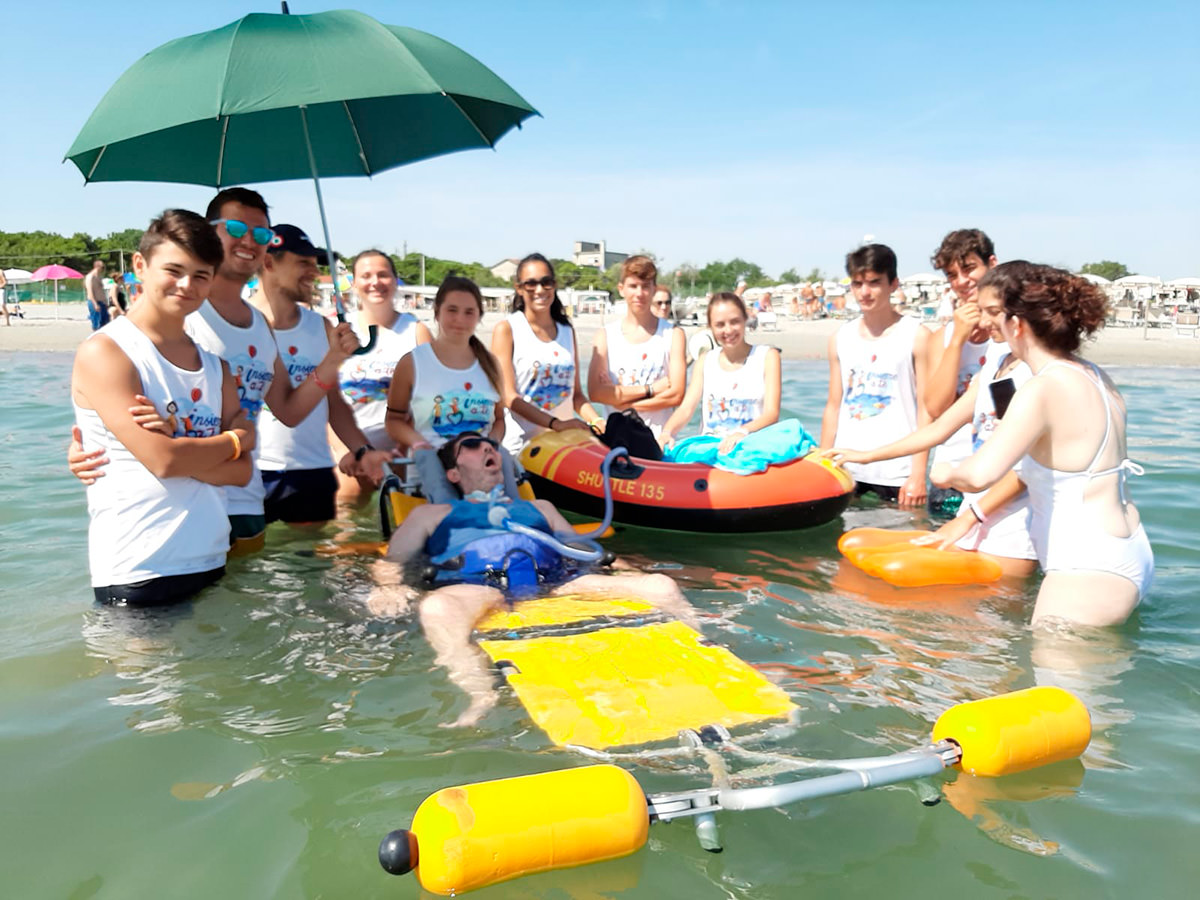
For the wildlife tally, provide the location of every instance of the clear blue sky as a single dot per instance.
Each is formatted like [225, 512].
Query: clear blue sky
[778, 132]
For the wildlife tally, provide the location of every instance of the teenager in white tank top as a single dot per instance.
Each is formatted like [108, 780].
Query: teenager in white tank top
[304, 446]
[441, 386]
[879, 396]
[640, 361]
[159, 524]
[736, 385]
[538, 355]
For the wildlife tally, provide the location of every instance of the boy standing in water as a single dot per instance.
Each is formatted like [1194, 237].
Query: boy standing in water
[159, 529]
[959, 349]
[639, 362]
[877, 369]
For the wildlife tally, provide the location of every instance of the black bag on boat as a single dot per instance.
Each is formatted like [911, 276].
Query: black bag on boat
[627, 429]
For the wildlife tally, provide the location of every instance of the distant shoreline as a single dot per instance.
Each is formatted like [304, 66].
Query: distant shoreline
[40, 331]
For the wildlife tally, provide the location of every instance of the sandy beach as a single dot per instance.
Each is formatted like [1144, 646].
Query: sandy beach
[41, 330]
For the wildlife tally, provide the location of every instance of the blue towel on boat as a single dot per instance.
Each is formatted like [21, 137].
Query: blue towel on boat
[779, 443]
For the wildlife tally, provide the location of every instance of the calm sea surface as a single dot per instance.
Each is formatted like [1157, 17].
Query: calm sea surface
[259, 742]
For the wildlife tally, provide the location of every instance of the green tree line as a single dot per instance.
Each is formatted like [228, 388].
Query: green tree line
[31, 249]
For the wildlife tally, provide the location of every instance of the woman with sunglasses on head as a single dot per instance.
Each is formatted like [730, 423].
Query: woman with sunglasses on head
[1067, 428]
[538, 356]
[738, 385]
[450, 385]
[364, 379]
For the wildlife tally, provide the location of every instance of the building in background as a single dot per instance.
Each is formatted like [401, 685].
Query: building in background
[506, 269]
[596, 254]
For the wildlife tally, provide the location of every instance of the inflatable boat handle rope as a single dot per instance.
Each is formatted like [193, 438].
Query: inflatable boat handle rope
[593, 553]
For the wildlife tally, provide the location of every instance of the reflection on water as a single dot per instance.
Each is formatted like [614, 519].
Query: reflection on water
[274, 703]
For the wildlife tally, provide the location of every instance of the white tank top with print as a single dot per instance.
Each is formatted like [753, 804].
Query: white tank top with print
[250, 353]
[731, 399]
[971, 359]
[307, 445]
[879, 397]
[644, 363]
[447, 401]
[142, 526]
[364, 379]
[545, 377]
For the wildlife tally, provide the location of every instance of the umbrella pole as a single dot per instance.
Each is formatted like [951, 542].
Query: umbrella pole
[337, 294]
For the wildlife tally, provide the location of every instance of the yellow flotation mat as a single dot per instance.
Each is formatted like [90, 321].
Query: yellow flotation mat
[603, 672]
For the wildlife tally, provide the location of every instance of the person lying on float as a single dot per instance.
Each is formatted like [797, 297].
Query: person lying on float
[440, 531]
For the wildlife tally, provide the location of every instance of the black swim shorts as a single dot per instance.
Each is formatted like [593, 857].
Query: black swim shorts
[157, 591]
[300, 495]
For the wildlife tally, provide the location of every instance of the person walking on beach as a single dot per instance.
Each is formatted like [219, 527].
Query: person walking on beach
[639, 362]
[93, 288]
[877, 370]
[4, 296]
[538, 356]
[159, 529]
[959, 349]
[1066, 427]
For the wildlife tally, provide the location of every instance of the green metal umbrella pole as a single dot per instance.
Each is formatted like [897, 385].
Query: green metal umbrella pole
[276, 97]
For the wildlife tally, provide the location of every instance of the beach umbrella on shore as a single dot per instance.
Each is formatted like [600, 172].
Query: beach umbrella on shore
[275, 97]
[56, 273]
[18, 276]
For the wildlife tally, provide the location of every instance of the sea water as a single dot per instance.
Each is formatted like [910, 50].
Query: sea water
[260, 741]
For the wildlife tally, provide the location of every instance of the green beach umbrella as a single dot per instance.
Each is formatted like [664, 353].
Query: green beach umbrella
[274, 97]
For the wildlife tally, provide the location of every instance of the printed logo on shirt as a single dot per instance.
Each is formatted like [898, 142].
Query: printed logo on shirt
[457, 411]
[549, 384]
[869, 393]
[253, 375]
[728, 413]
[298, 366]
[366, 380]
[191, 416]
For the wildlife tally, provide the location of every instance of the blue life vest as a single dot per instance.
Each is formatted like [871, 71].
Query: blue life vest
[467, 547]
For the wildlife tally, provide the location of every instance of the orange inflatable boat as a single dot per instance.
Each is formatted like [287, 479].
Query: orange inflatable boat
[892, 556]
[564, 468]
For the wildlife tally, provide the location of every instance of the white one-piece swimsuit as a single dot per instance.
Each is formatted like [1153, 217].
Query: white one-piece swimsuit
[1065, 533]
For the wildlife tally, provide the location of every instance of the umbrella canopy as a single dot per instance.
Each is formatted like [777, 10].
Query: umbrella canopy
[1139, 279]
[1193, 282]
[1094, 279]
[18, 276]
[55, 272]
[230, 106]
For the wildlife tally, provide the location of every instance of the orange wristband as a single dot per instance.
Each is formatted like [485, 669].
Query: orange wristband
[322, 385]
[237, 445]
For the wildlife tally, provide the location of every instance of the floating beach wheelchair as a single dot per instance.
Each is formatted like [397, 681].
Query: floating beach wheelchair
[470, 836]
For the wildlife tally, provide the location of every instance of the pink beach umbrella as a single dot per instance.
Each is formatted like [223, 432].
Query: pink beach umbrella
[55, 273]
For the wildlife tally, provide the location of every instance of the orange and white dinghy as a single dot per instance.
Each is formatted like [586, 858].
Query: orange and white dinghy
[564, 468]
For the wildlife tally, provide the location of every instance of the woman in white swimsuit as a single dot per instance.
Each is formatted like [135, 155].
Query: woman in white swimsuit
[1066, 428]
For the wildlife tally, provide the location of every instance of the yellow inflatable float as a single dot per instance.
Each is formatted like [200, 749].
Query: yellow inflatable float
[475, 835]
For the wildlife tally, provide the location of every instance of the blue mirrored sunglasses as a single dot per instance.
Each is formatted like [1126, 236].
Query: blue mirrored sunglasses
[237, 229]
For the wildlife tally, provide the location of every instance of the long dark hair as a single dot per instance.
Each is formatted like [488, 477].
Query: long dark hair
[1059, 307]
[557, 311]
[487, 362]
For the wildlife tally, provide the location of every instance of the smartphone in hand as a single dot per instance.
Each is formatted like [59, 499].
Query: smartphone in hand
[1002, 393]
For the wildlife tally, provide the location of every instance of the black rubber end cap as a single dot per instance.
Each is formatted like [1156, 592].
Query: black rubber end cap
[398, 852]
